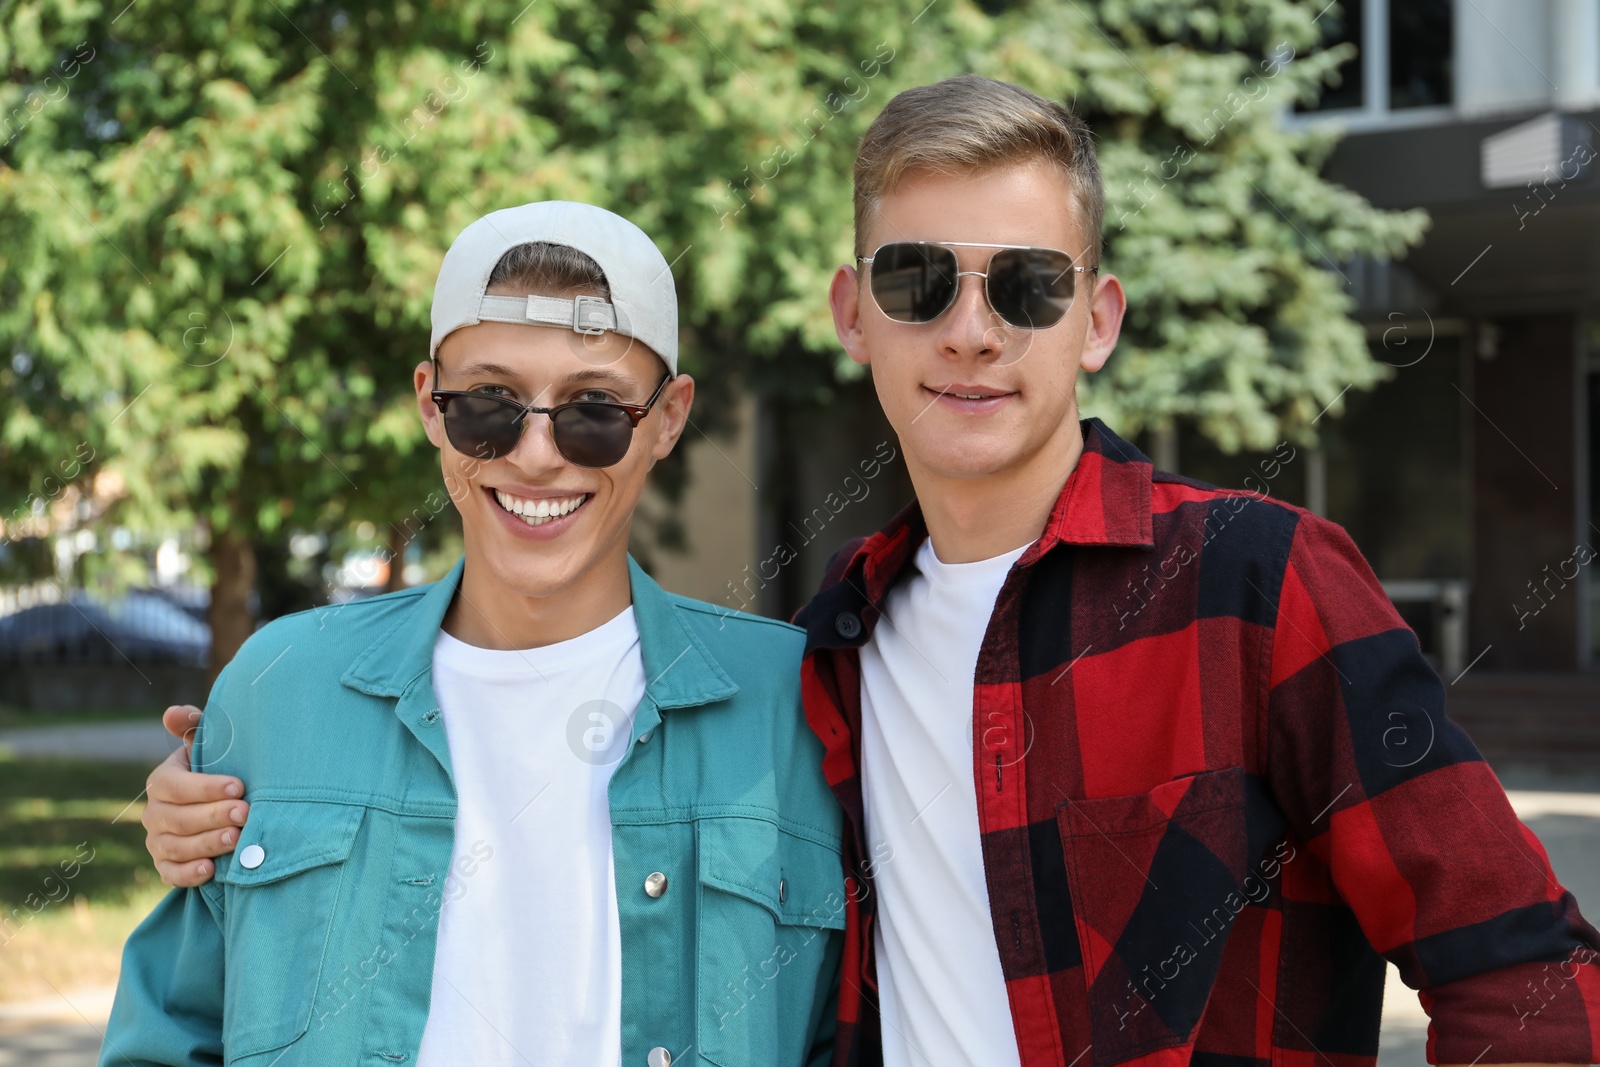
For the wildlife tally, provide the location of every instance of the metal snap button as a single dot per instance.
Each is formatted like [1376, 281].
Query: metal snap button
[658, 1057]
[644, 738]
[250, 857]
[655, 884]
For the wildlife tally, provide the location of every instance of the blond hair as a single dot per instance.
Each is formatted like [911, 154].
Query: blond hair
[970, 123]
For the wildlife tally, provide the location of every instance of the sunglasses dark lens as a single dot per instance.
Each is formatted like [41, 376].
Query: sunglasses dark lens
[481, 426]
[593, 435]
[913, 282]
[1031, 287]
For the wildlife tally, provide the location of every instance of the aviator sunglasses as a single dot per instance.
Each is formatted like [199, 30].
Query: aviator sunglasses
[588, 433]
[917, 281]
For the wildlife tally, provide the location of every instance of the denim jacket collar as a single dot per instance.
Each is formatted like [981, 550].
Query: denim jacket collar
[679, 668]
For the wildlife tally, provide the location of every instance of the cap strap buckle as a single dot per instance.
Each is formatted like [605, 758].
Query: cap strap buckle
[584, 314]
[592, 315]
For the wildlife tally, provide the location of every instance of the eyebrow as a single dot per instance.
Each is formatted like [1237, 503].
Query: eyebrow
[499, 370]
[602, 376]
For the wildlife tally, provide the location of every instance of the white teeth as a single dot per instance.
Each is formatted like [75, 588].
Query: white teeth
[539, 512]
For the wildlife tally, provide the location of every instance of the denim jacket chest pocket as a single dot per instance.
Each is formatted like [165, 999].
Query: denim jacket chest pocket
[771, 904]
[281, 890]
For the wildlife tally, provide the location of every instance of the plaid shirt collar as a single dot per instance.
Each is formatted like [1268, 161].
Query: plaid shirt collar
[1104, 501]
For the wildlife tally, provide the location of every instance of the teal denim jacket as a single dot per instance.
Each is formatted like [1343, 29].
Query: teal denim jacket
[323, 952]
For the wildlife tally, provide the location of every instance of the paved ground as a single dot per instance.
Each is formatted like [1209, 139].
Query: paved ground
[65, 1031]
[136, 742]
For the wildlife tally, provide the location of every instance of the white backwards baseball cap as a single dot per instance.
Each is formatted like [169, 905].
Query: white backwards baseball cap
[643, 304]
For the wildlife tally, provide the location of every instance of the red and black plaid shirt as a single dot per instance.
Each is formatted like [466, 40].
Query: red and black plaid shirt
[1216, 786]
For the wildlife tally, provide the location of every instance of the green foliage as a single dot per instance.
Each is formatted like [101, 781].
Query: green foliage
[1217, 222]
[222, 218]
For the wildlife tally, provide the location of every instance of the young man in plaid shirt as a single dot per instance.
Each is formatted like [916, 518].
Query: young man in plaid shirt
[1137, 769]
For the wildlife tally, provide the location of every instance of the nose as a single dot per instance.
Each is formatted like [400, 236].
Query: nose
[536, 450]
[969, 328]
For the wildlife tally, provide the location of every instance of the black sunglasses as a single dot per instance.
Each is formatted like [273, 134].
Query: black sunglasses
[917, 281]
[589, 433]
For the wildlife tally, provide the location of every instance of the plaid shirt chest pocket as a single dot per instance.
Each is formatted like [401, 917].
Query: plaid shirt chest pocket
[281, 889]
[1158, 881]
[771, 904]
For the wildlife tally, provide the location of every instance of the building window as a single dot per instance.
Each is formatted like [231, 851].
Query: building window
[1405, 56]
[1421, 54]
[1344, 27]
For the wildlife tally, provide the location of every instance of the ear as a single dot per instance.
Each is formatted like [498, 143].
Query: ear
[844, 297]
[432, 418]
[1106, 308]
[676, 399]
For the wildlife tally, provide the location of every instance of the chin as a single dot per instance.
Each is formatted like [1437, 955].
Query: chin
[962, 454]
[535, 578]
[524, 570]
[948, 462]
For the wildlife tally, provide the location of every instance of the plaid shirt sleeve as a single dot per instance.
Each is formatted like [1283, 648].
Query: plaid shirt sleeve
[1414, 828]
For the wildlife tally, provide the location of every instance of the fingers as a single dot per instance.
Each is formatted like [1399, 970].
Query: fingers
[190, 817]
[190, 820]
[174, 783]
[185, 875]
[187, 849]
[180, 719]
[184, 860]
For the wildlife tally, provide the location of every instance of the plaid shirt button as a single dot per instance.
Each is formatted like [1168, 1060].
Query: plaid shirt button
[847, 625]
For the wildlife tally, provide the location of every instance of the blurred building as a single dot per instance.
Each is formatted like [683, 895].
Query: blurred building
[1470, 479]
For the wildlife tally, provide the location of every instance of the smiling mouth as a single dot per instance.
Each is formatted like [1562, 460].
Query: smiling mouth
[538, 512]
[968, 393]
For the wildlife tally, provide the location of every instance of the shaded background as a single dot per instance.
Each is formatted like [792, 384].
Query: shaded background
[1359, 241]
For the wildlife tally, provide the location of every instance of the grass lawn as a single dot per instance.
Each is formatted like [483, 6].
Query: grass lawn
[74, 875]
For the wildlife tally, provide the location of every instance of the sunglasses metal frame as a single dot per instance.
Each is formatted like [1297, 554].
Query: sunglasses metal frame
[984, 274]
[635, 412]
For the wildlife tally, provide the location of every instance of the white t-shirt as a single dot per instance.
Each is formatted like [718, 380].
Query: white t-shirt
[529, 959]
[941, 990]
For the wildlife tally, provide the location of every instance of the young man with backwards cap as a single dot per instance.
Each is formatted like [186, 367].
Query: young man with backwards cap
[1135, 769]
[539, 811]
